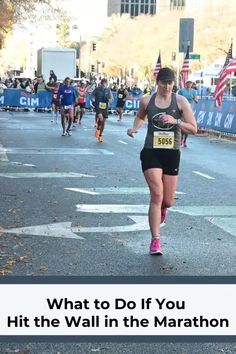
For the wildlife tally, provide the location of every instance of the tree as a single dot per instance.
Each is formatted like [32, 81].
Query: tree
[63, 31]
[127, 42]
[13, 11]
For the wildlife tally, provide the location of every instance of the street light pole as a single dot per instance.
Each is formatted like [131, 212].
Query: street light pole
[80, 52]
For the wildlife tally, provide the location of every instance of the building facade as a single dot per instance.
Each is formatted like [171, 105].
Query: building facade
[132, 7]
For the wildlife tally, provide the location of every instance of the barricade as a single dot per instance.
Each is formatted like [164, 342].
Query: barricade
[220, 119]
[21, 99]
[209, 117]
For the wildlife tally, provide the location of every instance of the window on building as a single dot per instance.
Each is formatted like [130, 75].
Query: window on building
[132, 10]
[152, 9]
[136, 10]
[124, 7]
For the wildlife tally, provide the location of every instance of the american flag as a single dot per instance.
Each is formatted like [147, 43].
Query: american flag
[157, 66]
[222, 81]
[185, 69]
[229, 57]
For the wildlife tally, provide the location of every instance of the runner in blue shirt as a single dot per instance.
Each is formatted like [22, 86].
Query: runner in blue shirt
[67, 95]
[191, 95]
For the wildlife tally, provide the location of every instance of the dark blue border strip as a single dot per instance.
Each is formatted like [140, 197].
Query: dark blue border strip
[118, 339]
[118, 280]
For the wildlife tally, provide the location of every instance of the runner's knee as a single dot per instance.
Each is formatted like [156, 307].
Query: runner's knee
[156, 197]
[167, 202]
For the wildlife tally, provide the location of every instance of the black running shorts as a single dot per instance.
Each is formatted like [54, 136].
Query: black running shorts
[120, 104]
[104, 112]
[166, 159]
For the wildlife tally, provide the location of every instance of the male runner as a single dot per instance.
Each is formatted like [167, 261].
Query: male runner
[101, 96]
[191, 95]
[121, 97]
[67, 95]
[81, 100]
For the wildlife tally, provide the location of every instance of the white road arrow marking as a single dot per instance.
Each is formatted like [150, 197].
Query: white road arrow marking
[113, 208]
[113, 190]
[226, 224]
[141, 223]
[44, 175]
[206, 210]
[63, 230]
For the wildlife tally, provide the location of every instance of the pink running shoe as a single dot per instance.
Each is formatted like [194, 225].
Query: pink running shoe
[163, 215]
[185, 145]
[155, 246]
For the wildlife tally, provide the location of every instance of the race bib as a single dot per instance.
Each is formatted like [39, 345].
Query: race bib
[163, 140]
[102, 105]
[120, 95]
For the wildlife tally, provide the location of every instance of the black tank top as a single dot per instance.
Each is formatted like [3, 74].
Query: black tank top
[121, 94]
[160, 135]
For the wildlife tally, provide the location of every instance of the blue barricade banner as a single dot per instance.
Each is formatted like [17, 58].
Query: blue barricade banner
[21, 98]
[222, 119]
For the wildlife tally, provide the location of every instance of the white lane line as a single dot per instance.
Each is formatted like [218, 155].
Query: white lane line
[203, 175]
[22, 164]
[57, 151]
[113, 190]
[85, 191]
[44, 175]
[122, 142]
[3, 155]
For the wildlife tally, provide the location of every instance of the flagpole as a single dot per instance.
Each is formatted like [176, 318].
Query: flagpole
[230, 80]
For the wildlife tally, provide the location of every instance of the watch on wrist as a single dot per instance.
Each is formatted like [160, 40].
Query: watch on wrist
[178, 121]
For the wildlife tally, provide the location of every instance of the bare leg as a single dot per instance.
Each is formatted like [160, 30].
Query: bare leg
[63, 124]
[154, 180]
[162, 192]
[70, 120]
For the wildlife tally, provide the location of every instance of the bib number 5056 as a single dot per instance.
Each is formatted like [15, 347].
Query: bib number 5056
[163, 140]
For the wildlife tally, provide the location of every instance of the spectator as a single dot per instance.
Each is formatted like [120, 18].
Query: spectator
[52, 76]
[40, 85]
[136, 91]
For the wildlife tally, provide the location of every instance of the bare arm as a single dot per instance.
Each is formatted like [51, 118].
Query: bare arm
[188, 125]
[140, 117]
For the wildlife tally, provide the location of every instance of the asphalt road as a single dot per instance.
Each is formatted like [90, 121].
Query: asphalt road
[73, 206]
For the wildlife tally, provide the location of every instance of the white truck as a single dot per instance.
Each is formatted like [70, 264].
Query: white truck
[61, 60]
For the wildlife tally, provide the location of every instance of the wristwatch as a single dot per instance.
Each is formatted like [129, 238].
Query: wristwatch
[178, 122]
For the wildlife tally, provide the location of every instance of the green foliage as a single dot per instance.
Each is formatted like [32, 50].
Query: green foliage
[63, 31]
